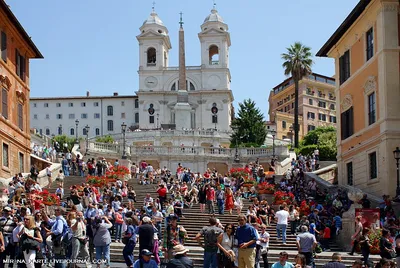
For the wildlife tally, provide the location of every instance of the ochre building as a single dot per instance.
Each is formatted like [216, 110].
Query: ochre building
[366, 50]
[317, 105]
[16, 50]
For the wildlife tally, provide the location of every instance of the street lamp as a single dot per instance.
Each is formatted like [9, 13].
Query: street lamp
[87, 128]
[273, 133]
[291, 136]
[396, 154]
[123, 128]
[157, 119]
[76, 130]
[236, 159]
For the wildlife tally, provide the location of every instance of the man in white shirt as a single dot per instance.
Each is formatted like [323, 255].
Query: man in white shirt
[282, 218]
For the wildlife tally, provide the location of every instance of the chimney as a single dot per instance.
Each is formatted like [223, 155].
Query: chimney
[115, 94]
[87, 94]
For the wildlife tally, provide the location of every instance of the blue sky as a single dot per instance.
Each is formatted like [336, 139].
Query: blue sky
[91, 44]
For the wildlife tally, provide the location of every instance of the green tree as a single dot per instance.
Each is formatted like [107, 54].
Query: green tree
[105, 139]
[249, 125]
[323, 138]
[62, 139]
[297, 63]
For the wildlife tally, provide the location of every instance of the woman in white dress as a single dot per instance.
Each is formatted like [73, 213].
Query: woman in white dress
[225, 244]
[31, 232]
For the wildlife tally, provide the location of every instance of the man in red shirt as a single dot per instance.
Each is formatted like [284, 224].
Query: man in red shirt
[162, 194]
[210, 196]
[326, 236]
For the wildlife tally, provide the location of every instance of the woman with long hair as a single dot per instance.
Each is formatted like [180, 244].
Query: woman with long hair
[225, 243]
[229, 204]
[30, 231]
[300, 261]
[293, 218]
[385, 246]
[202, 198]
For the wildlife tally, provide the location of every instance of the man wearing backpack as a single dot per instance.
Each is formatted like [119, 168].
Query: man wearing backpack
[59, 229]
[210, 234]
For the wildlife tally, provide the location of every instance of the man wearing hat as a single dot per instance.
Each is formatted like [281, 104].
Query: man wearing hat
[180, 260]
[7, 225]
[145, 261]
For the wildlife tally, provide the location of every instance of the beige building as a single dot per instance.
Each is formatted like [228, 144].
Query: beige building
[366, 50]
[317, 105]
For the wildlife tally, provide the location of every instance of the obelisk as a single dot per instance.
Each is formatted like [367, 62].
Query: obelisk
[182, 107]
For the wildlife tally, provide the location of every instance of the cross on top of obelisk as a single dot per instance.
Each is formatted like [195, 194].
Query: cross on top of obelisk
[181, 20]
[214, 5]
[154, 6]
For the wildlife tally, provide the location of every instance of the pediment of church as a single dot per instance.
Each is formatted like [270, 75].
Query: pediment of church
[213, 31]
[150, 33]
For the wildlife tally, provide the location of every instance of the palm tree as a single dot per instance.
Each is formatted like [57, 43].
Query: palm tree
[297, 63]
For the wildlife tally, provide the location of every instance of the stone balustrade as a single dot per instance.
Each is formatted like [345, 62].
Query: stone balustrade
[280, 151]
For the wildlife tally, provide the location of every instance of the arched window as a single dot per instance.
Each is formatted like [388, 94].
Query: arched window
[72, 132]
[97, 131]
[213, 55]
[59, 130]
[110, 125]
[173, 87]
[151, 56]
[47, 132]
[110, 110]
[191, 86]
[84, 131]
[137, 103]
[136, 117]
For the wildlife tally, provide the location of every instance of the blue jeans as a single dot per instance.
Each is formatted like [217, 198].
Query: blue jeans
[278, 231]
[66, 171]
[210, 260]
[118, 231]
[128, 253]
[220, 204]
[103, 251]
[60, 261]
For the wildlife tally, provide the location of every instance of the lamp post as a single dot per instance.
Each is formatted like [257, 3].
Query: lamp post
[236, 159]
[396, 154]
[76, 130]
[157, 119]
[291, 136]
[123, 128]
[87, 128]
[273, 133]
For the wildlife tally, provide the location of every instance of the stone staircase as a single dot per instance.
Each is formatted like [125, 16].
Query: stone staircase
[193, 222]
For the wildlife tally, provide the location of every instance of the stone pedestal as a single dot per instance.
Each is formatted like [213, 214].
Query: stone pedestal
[126, 163]
[182, 115]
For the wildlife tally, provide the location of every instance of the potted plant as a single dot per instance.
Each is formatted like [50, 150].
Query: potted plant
[239, 172]
[281, 197]
[50, 199]
[266, 188]
[95, 181]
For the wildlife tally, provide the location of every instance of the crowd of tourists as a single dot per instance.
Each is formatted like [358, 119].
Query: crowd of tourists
[81, 228]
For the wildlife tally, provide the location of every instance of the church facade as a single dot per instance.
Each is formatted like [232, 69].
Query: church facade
[209, 94]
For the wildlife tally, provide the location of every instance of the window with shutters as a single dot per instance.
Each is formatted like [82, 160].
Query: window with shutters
[71, 116]
[20, 65]
[20, 112]
[110, 125]
[347, 123]
[72, 132]
[110, 110]
[373, 167]
[344, 67]
[3, 46]
[58, 104]
[349, 168]
[97, 131]
[5, 155]
[21, 162]
[4, 103]
[83, 116]
[151, 119]
[283, 124]
[310, 127]
[370, 44]
[136, 117]
[47, 132]
[371, 109]
[310, 101]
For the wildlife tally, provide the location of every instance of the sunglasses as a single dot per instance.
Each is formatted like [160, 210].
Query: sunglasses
[229, 228]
